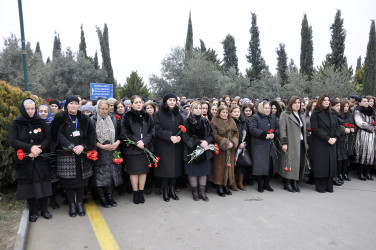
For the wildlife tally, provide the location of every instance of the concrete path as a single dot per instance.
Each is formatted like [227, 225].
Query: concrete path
[345, 219]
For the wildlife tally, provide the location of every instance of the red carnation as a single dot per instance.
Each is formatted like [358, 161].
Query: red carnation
[309, 129]
[117, 117]
[156, 165]
[182, 128]
[150, 165]
[271, 131]
[374, 123]
[20, 154]
[48, 100]
[286, 168]
[228, 165]
[352, 126]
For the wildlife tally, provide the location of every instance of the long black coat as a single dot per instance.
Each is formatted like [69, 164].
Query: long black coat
[345, 144]
[324, 156]
[171, 162]
[261, 148]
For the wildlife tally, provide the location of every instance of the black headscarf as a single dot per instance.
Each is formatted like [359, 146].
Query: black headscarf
[24, 117]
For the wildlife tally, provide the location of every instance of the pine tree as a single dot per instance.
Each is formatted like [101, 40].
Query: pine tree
[306, 49]
[56, 52]
[337, 43]
[96, 64]
[82, 47]
[106, 58]
[230, 59]
[254, 53]
[282, 64]
[134, 86]
[202, 46]
[189, 40]
[37, 49]
[358, 63]
[369, 85]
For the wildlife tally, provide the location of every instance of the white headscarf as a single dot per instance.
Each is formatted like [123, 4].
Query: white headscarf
[105, 128]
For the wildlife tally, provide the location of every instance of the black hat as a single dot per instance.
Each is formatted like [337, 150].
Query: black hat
[72, 98]
[355, 97]
[168, 96]
[54, 101]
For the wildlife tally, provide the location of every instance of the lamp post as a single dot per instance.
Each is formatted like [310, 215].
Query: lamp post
[24, 62]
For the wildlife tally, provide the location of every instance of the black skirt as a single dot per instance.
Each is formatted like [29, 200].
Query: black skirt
[137, 164]
[38, 188]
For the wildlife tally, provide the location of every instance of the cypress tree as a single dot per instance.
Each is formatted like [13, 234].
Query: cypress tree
[254, 53]
[282, 64]
[56, 52]
[230, 59]
[369, 85]
[106, 58]
[189, 39]
[358, 64]
[306, 49]
[37, 49]
[48, 60]
[96, 64]
[337, 43]
[83, 42]
[202, 46]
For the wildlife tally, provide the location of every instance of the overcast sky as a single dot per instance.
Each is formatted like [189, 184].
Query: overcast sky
[142, 33]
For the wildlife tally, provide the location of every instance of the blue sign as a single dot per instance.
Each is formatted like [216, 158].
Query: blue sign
[103, 90]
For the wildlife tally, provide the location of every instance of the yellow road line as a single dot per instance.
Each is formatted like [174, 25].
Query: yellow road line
[102, 231]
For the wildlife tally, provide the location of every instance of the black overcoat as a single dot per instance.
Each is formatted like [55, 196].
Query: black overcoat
[324, 156]
[167, 124]
[345, 144]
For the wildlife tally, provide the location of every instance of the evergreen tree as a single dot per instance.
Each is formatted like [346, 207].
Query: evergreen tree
[358, 64]
[292, 66]
[83, 42]
[369, 80]
[337, 43]
[106, 58]
[48, 60]
[134, 86]
[254, 53]
[230, 59]
[96, 64]
[37, 49]
[202, 46]
[211, 56]
[189, 40]
[282, 64]
[306, 49]
[56, 52]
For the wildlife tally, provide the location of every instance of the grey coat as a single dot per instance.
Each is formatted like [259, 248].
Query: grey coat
[364, 142]
[290, 134]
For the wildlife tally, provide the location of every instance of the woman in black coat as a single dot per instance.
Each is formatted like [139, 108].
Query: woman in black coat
[248, 111]
[263, 152]
[107, 174]
[138, 126]
[30, 133]
[199, 135]
[325, 134]
[168, 146]
[71, 133]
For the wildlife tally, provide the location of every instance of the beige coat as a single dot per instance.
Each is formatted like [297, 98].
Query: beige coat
[290, 132]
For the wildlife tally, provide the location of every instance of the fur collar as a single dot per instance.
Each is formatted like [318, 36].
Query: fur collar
[366, 111]
[223, 127]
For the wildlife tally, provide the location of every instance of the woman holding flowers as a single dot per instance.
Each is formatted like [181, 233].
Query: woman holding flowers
[168, 145]
[107, 169]
[293, 134]
[72, 136]
[137, 129]
[198, 137]
[227, 138]
[264, 147]
[29, 134]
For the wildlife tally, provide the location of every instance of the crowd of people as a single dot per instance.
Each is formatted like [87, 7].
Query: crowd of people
[139, 145]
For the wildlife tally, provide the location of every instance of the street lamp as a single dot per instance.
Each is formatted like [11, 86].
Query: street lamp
[26, 78]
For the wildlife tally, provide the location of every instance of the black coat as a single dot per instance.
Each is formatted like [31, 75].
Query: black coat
[137, 126]
[345, 144]
[167, 124]
[197, 131]
[261, 148]
[23, 134]
[324, 156]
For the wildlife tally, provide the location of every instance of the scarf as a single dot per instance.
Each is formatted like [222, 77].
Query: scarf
[105, 128]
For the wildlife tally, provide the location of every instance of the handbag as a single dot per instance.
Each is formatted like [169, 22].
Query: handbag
[244, 159]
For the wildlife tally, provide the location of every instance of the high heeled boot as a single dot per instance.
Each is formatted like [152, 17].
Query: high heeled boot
[267, 183]
[109, 198]
[195, 193]
[240, 182]
[287, 185]
[202, 194]
[294, 184]
[220, 191]
[172, 193]
[165, 194]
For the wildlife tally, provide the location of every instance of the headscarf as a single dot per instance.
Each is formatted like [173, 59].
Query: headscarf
[260, 107]
[24, 117]
[105, 128]
[49, 118]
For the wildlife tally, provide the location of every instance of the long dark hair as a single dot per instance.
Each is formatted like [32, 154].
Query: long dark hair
[319, 106]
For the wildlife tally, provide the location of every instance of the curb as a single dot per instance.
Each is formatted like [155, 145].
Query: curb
[22, 231]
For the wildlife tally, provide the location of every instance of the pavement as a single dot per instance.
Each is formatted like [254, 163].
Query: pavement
[345, 219]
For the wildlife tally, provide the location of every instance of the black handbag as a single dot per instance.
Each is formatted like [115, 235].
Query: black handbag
[244, 159]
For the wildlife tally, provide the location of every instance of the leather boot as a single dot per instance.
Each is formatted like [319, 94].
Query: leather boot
[135, 197]
[346, 177]
[80, 209]
[195, 193]
[287, 185]
[340, 177]
[172, 193]
[220, 191]
[44, 211]
[109, 198]
[102, 198]
[267, 184]
[202, 194]
[294, 184]
[227, 191]
[72, 210]
[165, 194]
[260, 184]
[141, 196]
[234, 187]
[240, 182]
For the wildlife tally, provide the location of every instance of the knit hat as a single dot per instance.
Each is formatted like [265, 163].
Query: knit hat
[168, 96]
[62, 104]
[244, 100]
[54, 101]
[111, 101]
[72, 98]
[127, 102]
[87, 107]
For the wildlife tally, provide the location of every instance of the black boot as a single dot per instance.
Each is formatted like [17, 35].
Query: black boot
[33, 209]
[109, 198]
[368, 173]
[141, 196]
[202, 194]
[44, 211]
[195, 194]
[226, 189]
[136, 199]
[260, 184]
[220, 191]
[362, 177]
[337, 182]
[287, 186]
[172, 193]
[102, 198]
[165, 194]
[72, 210]
[294, 184]
[346, 177]
[80, 208]
[267, 184]
[54, 204]
[340, 177]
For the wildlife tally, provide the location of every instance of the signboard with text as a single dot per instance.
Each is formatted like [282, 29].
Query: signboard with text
[101, 90]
